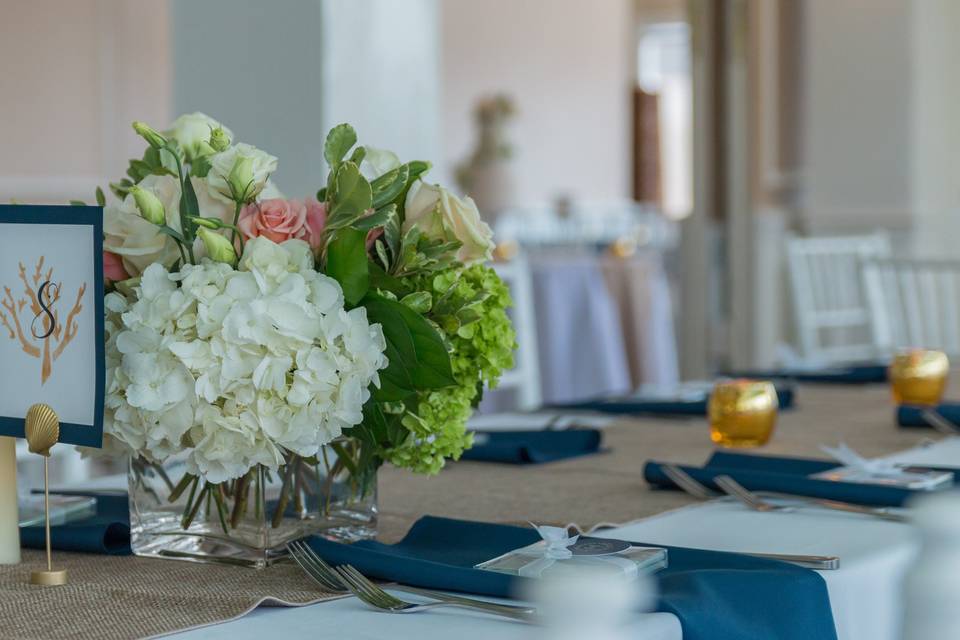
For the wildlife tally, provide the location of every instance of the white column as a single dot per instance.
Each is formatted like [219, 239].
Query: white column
[9, 516]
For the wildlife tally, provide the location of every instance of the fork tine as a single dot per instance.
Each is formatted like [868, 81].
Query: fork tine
[308, 561]
[306, 569]
[737, 490]
[322, 567]
[936, 420]
[371, 587]
[686, 482]
[359, 590]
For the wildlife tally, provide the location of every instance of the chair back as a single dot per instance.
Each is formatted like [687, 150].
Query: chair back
[914, 303]
[832, 316]
[524, 378]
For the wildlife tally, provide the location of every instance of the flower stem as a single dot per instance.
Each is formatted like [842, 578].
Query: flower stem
[242, 487]
[233, 231]
[284, 492]
[217, 492]
[177, 491]
[192, 513]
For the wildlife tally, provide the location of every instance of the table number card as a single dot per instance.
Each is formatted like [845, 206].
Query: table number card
[51, 318]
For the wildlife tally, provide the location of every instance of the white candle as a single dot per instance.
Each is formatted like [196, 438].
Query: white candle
[9, 516]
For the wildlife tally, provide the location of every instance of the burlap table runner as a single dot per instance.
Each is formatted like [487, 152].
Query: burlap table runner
[118, 598]
[111, 597]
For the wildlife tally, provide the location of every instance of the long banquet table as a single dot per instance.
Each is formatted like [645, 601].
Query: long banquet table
[609, 487]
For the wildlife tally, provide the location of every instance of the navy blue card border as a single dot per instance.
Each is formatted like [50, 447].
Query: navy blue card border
[88, 435]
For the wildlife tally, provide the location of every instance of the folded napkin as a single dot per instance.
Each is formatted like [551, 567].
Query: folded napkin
[106, 532]
[667, 407]
[783, 475]
[912, 416]
[866, 373]
[717, 596]
[532, 447]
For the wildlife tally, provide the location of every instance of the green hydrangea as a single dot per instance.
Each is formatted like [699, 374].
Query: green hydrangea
[470, 307]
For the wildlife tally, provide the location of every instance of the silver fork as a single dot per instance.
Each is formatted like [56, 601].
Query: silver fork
[733, 488]
[687, 482]
[328, 578]
[376, 597]
[933, 418]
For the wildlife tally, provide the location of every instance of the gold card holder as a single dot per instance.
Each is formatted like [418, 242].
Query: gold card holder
[42, 430]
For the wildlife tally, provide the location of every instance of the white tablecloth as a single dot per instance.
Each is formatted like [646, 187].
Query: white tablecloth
[604, 326]
[864, 591]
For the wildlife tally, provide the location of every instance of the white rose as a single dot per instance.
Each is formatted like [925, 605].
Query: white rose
[138, 242]
[190, 129]
[221, 164]
[439, 214]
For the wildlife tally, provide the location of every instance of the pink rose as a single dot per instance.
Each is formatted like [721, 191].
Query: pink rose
[279, 220]
[113, 268]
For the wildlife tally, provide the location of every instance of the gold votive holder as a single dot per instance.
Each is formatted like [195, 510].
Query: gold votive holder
[742, 413]
[919, 376]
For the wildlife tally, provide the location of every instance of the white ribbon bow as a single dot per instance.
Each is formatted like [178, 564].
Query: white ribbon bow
[558, 541]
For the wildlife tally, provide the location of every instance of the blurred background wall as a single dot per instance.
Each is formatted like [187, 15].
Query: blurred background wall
[823, 116]
[568, 65]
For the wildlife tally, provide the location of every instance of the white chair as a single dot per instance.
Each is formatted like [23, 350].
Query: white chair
[524, 378]
[833, 319]
[914, 303]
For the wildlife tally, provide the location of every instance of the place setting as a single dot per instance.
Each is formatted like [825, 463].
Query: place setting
[529, 321]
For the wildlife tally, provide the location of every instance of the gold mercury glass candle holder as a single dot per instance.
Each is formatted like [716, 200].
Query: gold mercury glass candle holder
[742, 413]
[919, 376]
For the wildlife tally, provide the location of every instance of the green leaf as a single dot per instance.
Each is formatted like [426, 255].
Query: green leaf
[419, 301]
[101, 199]
[173, 233]
[391, 234]
[351, 196]
[322, 195]
[415, 169]
[358, 155]
[189, 208]
[388, 186]
[347, 263]
[78, 203]
[379, 279]
[338, 143]
[414, 348]
[200, 166]
[376, 219]
[381, 250]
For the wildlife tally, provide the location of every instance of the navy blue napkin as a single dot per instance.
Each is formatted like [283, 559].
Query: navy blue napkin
[532, 447]
[866, 373]
[106, 532]
[782, 475]
[716, 596]
[912, 416]
[630, 406]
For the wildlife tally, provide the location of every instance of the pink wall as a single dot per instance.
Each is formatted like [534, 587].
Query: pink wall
[74, 76]
[568, 65]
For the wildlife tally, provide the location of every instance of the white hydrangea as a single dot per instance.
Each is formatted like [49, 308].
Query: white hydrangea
[237, 366]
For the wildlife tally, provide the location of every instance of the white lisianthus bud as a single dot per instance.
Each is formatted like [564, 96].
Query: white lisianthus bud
[219, 249]
[153, 138]
[240, 173]
[149, 205]
[192, 133]
[241, 179]
[219, 139]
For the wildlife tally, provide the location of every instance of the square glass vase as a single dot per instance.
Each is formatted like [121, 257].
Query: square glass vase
[247, 521]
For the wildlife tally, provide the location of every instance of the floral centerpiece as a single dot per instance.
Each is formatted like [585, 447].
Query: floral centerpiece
[265, 356]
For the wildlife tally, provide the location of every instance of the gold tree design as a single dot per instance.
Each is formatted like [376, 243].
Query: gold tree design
[56, 338]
